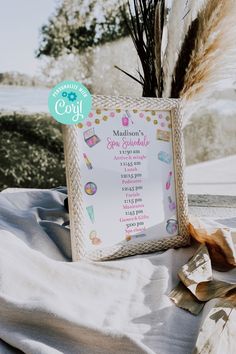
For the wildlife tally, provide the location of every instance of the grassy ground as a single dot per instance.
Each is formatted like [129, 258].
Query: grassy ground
[31, 151]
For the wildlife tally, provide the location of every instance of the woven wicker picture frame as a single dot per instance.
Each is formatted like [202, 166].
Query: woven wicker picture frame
[77, 139]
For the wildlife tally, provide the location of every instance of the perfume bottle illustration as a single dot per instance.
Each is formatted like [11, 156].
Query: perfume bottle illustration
[88, 163]
[171, 226]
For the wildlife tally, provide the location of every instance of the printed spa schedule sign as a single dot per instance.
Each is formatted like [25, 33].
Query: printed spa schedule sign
[127, 177]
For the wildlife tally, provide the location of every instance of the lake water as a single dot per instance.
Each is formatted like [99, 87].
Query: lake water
[27, 99]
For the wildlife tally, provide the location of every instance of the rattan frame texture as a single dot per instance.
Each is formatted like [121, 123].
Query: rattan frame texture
[70, 137]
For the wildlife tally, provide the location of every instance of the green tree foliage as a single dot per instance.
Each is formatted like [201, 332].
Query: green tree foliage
[31, 151]
[16, 78]
[77, 25]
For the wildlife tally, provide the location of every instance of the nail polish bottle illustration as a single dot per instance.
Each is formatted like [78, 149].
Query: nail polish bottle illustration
[172, 205]
[88, 163]
[168, 181]
[129, 116]
[125, 121]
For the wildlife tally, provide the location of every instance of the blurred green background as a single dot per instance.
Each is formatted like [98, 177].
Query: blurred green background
[31, 155]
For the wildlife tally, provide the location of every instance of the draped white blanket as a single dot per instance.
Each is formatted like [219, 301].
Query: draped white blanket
[49, 305]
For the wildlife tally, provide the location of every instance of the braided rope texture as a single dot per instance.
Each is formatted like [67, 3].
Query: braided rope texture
[70, 138]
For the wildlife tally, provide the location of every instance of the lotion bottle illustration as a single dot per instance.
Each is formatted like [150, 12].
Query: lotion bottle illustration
[90, 212]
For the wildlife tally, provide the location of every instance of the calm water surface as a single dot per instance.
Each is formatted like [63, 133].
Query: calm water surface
[20, 98]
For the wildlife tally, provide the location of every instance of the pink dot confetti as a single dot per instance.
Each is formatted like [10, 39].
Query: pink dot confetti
[88, 124]
[90, 115]
[141, 115]
[160, 116]
[112, 114]
[162, 124]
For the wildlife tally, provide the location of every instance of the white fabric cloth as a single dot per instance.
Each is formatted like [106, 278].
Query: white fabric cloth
[49, 305]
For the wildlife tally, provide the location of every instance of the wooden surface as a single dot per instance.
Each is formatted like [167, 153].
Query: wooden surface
[212, 205]
[215, 177]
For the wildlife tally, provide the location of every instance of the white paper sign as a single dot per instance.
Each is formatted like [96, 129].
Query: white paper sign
[127, 177]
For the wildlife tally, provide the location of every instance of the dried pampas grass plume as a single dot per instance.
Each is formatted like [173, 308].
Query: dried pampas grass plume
[213, 59]
[180, 18]
[184, 60]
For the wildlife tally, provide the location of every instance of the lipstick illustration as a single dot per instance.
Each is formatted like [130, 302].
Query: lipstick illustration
[88, 163]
